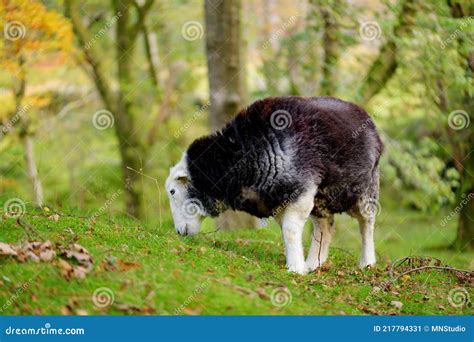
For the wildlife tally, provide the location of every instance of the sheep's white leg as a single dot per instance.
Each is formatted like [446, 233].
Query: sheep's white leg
[367, 226]
[320, 241]
[292, 224]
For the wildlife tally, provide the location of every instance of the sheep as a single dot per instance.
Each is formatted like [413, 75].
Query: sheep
[291, 158]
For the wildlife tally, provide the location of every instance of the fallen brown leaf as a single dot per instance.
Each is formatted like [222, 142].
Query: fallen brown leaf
[65, 268]
[261, 293]
[79, 254]
[191, 312]
[54, 217]
[127, 307]
[32, 256]
[79, 272]
[396, 304]
[127, 265]
[7, 249]
[36, 251]
[65, 310]
[47, 255]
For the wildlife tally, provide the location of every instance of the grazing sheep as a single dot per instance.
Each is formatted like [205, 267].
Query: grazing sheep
[287, 157]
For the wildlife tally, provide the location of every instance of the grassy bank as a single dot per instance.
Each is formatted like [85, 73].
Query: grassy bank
[150, 270]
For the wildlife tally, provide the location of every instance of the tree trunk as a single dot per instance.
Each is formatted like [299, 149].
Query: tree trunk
[151, 48]
[464, 145]
[269, 47]
[465, 234]
[226, 67]
[130, 146]
[151, 54]
[331, 50]
[293, 70]
[383, 68]
[131, 149]
[32, 169]
[226, 71]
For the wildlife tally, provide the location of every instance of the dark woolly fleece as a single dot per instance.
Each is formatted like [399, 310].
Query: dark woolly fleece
[251, 166]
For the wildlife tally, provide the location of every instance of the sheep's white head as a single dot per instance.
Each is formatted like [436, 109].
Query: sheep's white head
[187, 212]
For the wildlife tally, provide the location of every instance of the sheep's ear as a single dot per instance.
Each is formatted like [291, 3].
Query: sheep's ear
[181, 177]
[179, 172]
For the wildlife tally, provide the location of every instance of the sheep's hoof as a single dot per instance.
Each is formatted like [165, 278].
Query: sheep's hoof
[310, 269]
[322, 266]
[297, 269]
[365, 264]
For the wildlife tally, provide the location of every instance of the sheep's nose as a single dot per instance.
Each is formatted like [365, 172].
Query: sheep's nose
[182, 231]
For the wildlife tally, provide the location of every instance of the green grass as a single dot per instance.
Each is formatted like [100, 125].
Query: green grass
[228, 272]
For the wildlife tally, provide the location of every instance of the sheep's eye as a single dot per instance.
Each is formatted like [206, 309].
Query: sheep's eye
[172, 191]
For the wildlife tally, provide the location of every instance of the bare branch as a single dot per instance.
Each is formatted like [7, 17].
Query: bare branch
[142, 13]
[385, 65]
[412, 259]
[92, 56]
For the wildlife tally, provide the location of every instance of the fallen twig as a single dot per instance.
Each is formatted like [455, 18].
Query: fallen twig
[412, 259]
[443, 268]
[29, 230]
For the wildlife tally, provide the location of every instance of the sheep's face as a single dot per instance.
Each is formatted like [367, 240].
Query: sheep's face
[187, 212]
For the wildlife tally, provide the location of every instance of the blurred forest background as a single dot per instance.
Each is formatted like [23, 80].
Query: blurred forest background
[99, 98]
